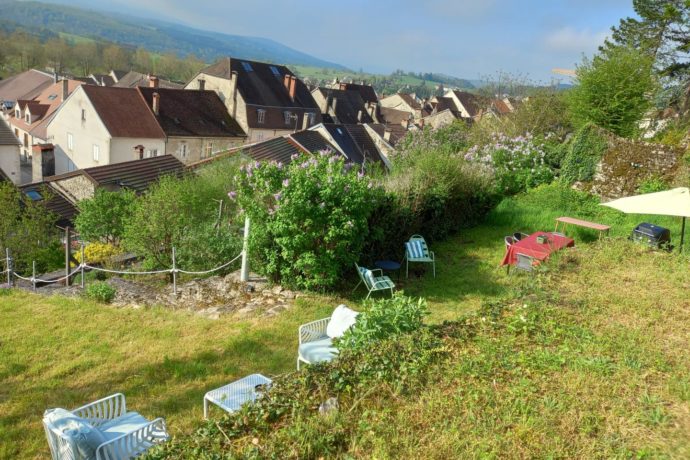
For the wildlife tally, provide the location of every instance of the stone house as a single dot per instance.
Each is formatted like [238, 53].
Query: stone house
[99, 125]
[467, 105]
[196, 123]
[9, 154]
[267, 100]
[403, 102]
[23, 86]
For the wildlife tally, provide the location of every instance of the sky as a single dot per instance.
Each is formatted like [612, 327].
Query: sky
[464, 38]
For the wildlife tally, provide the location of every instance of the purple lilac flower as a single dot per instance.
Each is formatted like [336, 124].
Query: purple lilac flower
[277, 196]
[294, 156]
[332, 160]
[348, 166]
[257, 164]
[360, 174]
[286, 182]
[304, 165]
[280, 165]
[232, 195]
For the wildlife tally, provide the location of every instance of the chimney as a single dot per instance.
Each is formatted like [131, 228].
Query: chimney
[202, 84]
[156, 103]
[286, 81]
[65, 89]
[293, 87]
[153, 81]
[343, 86]
[387, 135]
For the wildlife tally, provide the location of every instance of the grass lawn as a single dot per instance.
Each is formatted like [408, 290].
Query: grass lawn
[604, 374]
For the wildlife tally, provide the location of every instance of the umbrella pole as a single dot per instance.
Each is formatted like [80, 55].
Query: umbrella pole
[682, 235]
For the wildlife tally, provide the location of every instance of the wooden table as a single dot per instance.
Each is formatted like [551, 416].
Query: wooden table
[539, 251]
[601, 228]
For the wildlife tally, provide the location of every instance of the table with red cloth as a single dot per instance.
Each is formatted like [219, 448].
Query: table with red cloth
[531, 247]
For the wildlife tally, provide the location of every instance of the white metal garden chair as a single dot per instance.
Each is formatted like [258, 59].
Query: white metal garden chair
[374, 280]
[103, 430]
[416, 250]
[316, 338]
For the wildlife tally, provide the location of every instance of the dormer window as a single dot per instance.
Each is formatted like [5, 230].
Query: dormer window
[17, 113]
[247, 66]
[275, 71]
[261, 116]
[27, 117]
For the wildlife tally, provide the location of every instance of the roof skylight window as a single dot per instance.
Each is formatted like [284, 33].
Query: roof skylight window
[247, 66]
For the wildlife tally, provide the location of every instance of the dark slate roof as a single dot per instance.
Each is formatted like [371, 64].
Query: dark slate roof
[57, 203]
[278, 149]
[103, 80]
[354, 142]
[260, 85]
[119, 73]
[25, 85]
[367, 92]
[137, 175]
[312, 141]
[469, 101]
[349, 104]
[7, 137]
[124, 112]
[192, 113]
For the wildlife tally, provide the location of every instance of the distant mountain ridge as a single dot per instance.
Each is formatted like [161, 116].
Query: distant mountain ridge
[156, 36]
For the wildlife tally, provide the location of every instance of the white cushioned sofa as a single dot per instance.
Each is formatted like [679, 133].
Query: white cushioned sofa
[316, 338]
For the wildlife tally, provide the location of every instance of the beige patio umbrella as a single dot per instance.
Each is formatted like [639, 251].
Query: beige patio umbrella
[675, 202]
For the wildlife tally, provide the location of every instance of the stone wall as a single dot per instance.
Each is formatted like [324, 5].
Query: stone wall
[626, 164]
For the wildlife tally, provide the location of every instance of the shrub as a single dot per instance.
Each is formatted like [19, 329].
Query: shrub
[431, 192]
[184, 213]
[103, 217]
[613, 91]
[516, 163]
[584, 153]
[384, 319]
[98, 253]
[654, 184]
[309, 218]
[100, 292]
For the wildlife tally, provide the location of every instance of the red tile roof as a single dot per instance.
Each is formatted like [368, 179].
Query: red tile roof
[124, 112]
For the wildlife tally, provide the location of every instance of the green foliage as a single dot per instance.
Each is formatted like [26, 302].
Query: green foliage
[384, 318]
[309, 218]
[613, 91]
[184, 213]
[544, 114]
[100, 291]
[27, 229]
[584, 153]
[655, 184]
[516, 164]
[103, 217]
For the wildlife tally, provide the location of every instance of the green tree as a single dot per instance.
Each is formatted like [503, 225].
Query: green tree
[614, 90]
[26, 228]
[661, 32]
[103, 217]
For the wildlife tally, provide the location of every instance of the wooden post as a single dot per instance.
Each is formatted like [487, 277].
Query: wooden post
[33, 276]
[174, 272]
[68, 249]
[8, 265]
[83, 262]
[244, 274]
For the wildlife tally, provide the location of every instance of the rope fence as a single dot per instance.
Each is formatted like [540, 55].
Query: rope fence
[10, 272]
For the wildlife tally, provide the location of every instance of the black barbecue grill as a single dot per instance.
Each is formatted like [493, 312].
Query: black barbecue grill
[652, 235]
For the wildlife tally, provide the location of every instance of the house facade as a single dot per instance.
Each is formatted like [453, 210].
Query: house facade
[403, 102]
[100, 125]
[196, 123]
[267, 100]
[9, 154]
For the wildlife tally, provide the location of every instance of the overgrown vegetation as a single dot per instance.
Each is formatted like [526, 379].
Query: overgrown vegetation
[583, 153]
[100, 292]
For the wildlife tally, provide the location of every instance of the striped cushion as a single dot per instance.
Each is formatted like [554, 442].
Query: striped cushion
[415, 249]
[367, 275]
[384, 282]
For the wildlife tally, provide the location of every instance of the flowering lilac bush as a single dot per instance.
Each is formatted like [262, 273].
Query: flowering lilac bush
[309, 218]
[517, 163]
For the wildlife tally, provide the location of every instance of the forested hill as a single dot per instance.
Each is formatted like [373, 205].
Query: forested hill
[153, 35]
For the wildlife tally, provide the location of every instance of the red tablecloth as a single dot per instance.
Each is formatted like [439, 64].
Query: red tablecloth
[540, 251]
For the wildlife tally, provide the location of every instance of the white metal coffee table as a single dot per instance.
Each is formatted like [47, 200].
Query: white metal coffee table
[233, 395]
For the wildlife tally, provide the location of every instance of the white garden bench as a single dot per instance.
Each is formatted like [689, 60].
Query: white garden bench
[316, 338]
[102, 430]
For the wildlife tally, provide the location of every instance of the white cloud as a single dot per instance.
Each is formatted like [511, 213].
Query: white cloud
[568, 39]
